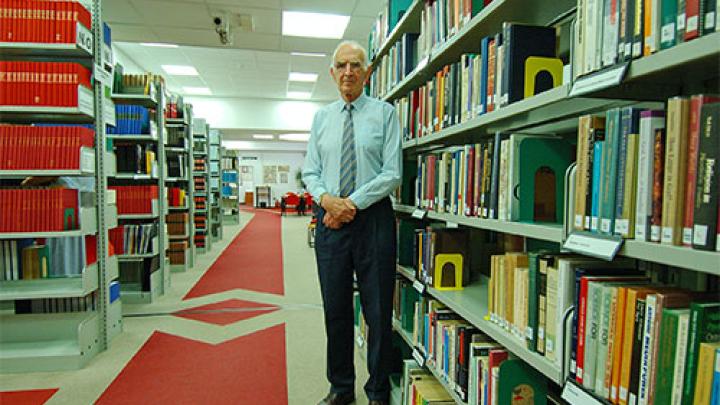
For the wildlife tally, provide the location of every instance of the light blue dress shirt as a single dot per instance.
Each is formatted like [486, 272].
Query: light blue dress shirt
[377, 148]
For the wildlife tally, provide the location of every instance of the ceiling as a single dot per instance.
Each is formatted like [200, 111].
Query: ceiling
[257, 63]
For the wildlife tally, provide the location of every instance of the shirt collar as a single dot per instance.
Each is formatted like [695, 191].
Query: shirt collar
[358, 104]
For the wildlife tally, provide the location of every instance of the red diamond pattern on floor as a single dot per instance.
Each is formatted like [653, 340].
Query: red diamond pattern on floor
[226, 312]
[171, 369]
[30, 397]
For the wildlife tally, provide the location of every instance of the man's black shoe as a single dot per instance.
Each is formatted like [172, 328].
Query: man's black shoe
[338, 399]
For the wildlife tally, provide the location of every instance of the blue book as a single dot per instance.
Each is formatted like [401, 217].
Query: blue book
[715, 396]
[596, 175]
[606, 213]
[484, 49]
[629, 124]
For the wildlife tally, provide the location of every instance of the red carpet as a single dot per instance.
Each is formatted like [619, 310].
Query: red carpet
[173, 370]
[253, 261]
[31, 397]
[226, 312]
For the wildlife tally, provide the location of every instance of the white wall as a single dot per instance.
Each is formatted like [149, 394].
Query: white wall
[294, 159]
[129, 65]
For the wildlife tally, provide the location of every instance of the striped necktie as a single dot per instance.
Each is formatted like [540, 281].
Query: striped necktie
[348, 164]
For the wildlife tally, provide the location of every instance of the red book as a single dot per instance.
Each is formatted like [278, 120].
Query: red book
[696, 104]
[657, 193]
[692, 19]
[492, 53]
[496, 357]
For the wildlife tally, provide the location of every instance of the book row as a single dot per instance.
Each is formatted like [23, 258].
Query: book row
[177, 223]
[176, 252]
[199, 238]
[133, 239]
[27, 259]
[135, 157]
[175, 107]
[135, 199]
[510, 66]
[24, 147]
[42, 21]
[39, 209]
[142, 83]
[42, 83]
[135, 275]
[177, 166]
[176, 197]
[497, 178]
[57, 305]
[131, 119]
[611, 31]
[650, 174]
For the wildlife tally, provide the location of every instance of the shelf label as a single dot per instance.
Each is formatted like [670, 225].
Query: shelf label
[419, 286]
[360, 341]
[107, 57]
[599, 80]
[419, 358]
[84, 38]
[423, 62]
[419, 213]
[109, 112]
[450, 224]
[102, 75]
[87, 160]
[86, 104]
[601, 246]
[577, 396]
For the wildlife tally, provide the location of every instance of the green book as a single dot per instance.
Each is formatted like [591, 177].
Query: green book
[704, 328]
[611, 147]
[533, 295]
[668, 19]
[518, 383]
[666, 355]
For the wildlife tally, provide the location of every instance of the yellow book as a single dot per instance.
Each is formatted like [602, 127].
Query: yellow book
[675, 170]
[704, 379]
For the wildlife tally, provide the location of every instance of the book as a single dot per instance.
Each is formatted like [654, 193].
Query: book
[520, 42]
[625, 225]
[668, 341]
[703, 328]
[705, 371]
[657, 185]
[674, 170]
[608, 175]
[520, 383]
[705, 213]
[715, 395]
[650, 122]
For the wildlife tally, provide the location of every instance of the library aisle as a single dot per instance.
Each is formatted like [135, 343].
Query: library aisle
[244, 326]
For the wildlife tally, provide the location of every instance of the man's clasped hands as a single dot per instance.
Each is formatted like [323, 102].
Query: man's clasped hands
[338, 211]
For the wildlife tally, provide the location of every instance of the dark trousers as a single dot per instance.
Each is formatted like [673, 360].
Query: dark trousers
[366, 245]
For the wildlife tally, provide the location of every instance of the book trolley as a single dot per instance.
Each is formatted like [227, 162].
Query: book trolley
[412, 54]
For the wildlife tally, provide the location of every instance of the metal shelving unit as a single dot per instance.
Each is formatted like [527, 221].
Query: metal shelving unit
[215, 196]
[64, 340]
[201, 147]
[230, 187]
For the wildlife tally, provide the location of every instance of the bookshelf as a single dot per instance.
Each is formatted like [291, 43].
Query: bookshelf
[52, 340]
[181, 250]
[201, 185]
[230, 187]
[687, 68]
[215, 197]
[132, 290]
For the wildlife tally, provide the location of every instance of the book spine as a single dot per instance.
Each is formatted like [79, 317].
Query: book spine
[646, 349]
[680, 358]
[620, 225]
[705, 213]
[666, 359]
[533, 283]
[668, 20]
[598, 148]
[650, 121]
[637, 30]
[606, 215]
[582, 177]
[634, 383]
[715, 395]
[657, 185]
[603, 361]
[675, 169]
[710, 16]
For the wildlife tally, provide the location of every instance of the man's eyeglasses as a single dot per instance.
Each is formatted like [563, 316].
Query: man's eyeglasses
[355, 66]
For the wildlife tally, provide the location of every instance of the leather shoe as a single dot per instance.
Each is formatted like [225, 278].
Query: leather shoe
[333, 398]
[376, 402]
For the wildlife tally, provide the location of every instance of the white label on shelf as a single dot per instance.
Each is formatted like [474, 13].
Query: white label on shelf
[86, 104]
[604, 247]
[102, 75]
[573, 366]
[668, 32]
[419, 213]
[423, 62]
[107, 56]
[419, 286]
[541, 332]
[687, 236]
[529, 333]
[623, 393]
[709, 20]
[605, 225]
[87, 160]
[700, 234]
[594, 223]
[577, 396]
[622, 226]
[637, 49]
[681, 21]
[549, 345]
[599, 81]
[418, 357]
[667, 234]
[655, 233]
[692, 23]
[360, 341]
[579, 220]
[613, 392]
[628, 48]
[451, 224]
[84, 38]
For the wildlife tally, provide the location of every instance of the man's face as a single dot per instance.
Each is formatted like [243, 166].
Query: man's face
[348, 72]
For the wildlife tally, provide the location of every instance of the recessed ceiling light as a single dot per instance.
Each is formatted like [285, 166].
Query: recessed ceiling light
[180, 70]
[295, 137]
[304, 95]
[263, 136]
[158, 45]
[302, 77]
[311, 54]
[314, 25]
[200, 91]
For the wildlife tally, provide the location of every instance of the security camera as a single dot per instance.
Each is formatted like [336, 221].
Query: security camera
[222, 28]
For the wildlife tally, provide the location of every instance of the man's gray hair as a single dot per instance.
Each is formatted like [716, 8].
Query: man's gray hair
[355, 45]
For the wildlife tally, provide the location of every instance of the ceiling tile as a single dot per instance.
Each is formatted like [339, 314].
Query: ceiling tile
[186, 36]
[169, 14]
[132, 33]
[255, 41]
[367, 8]
[343, 7]
[268, 4]
[359, 28]
[299, 86]
[120, 11]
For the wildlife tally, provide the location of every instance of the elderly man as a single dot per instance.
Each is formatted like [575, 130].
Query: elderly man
[353, 164]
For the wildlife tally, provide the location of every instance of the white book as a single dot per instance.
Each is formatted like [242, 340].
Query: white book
[592, 328]
[14, 261]
[495, 379]
[473, 380]
[680, 356]
[579, 47]
[590, 37]
[499, 61]
[647, 344]
[601, 363]
[503, 181]
[611, 15]
[646, 147]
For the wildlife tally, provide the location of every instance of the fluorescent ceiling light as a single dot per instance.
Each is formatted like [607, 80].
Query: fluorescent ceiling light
[180, 70]
[314, 25]
[311, 54]
[295, 137]
[158, 45]
[304, 95]
[302, 77]
[263, 136]
[200, 91]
